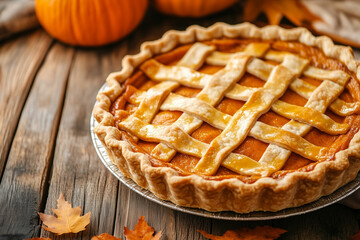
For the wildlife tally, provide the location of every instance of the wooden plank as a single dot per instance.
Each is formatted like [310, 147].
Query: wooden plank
[187, 225]
[19, 61]
[173, 224]
[77, 170]
[27, 170]
[131, 206]
[333, 222]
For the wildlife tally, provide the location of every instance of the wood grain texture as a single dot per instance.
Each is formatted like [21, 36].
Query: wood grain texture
[74, 168]
[26, 173]
[333, 222]
[77, 170]
[131, 206]
[193, 223]
[19, 62]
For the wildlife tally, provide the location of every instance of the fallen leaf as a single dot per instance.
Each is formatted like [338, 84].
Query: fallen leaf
[258, 233]
[37, 238]
[142, 231]
[356, 236]
[68, 219]
[275, 10]
[105, 236]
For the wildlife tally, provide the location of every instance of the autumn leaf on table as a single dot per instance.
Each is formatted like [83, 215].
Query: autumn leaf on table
[142, 231]
[275, 10]
[258, 233]
[68, 219]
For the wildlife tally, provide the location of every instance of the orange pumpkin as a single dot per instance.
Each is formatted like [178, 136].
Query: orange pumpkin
[192, 8]
[89, 22]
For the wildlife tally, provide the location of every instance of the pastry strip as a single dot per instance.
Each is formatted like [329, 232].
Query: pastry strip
[195, 56]
[240, 92]
[196, 108]
[183, 75]
[337, 76]
[309, 116]
[288, 140]
[150, 104]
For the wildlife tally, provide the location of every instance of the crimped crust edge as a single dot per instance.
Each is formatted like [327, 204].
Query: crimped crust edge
[266, 194]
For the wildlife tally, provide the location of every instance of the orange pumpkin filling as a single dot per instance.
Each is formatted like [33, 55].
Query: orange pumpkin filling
[251, 147]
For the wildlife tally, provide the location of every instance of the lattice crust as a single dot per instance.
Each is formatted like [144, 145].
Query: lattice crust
[235, 128]
[257, 59]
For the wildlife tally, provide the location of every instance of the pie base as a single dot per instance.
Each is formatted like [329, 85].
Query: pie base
[266, 194]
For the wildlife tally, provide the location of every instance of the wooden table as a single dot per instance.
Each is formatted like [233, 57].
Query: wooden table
[47, 92]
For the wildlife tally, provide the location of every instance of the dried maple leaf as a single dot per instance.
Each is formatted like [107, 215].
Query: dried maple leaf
[105, 236]
[68, 219]
[258, 233]
[142, 231]
[274, 10]
[356, 236]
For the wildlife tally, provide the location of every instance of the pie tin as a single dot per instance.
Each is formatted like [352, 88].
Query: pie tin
[322, 202]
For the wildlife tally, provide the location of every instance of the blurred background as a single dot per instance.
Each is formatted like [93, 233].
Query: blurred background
[96, 23]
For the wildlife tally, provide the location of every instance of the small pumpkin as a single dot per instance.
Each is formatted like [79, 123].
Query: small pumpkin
[89, 22]
[192, 8]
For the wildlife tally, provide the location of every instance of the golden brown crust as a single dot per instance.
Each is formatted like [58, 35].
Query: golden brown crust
[266, 194]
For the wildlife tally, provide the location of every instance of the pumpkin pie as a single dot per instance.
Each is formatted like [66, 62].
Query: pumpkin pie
[235, 117]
